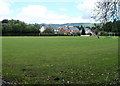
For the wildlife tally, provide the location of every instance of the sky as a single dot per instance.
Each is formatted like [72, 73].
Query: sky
[48, 11]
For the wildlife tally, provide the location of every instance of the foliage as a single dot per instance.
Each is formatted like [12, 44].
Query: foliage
[103, 33]
[112, 26]
[96, 29]
[83, 30]
[48, 30]
[52, 34]
[16, 26]
[89, 34]
[76, 34]
[20, 28]
[107, 27]
[5, 21]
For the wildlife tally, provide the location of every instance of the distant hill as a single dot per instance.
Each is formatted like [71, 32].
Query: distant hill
[54, 26]
[73, 24]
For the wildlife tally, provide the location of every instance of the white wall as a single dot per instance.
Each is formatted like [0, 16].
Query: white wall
[42, 29]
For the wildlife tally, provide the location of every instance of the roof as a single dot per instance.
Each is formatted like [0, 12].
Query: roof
[73, 28]
[87, 30]
[70, 28]
[65, 28]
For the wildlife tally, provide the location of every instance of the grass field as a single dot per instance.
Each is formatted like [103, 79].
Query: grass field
[60, 60]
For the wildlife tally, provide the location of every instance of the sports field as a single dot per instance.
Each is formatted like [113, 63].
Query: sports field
[60, 60]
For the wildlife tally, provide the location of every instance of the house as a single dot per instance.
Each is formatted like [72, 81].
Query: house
[87, 31]
[69, 29]
[74, 29]
[42, 29]
[56, 30]
[66, 29]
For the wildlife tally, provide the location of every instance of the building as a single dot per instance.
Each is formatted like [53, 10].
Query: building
[69, 29]
[56, 30]
[87, 31]
[42, 29]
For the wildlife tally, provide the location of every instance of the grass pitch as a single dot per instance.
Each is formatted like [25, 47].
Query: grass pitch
[60, 60]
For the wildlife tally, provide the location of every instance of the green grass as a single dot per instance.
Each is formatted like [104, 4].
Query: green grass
[60, 60]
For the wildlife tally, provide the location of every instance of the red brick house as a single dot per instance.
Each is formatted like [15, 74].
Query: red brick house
[69, 29]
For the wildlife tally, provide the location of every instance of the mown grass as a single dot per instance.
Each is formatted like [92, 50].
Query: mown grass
[60, 60]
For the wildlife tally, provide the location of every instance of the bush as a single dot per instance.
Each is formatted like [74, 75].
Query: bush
[19, 34]
[52, 34]
[89, 34]
[49, 31]
[76, 34]
[103, 33]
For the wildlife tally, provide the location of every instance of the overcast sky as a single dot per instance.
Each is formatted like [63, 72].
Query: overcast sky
[50, 11]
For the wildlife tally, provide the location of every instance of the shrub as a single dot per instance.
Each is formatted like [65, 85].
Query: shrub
[103, 33]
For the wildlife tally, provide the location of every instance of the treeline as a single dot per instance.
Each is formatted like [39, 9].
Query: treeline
[112, 27]
[16, 28]
[109, 27]
[20, 28]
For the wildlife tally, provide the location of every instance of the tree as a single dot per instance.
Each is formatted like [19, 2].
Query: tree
[83, 30]
[96, 30]
[112, 26]
[6, 27]
[5, 21]
[48, 31]
[107, 27]
[19, 27]
[118, 26]
[106, 10]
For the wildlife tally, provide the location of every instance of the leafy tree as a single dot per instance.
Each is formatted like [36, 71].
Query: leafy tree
[5, 21]
[88, 27]
[6, 27]
[112, 26]
[49, 31]
[107, 27]
[16, 26]
[37, 26]
[96, 30]
[118, 26]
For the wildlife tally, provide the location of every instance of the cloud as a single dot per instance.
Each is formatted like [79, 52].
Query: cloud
[63, 9]
[4, 8]
[33, 10]
[41, 14]
[86, 8]
[45, 0]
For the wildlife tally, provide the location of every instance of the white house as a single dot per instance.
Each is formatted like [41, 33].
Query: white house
[42, 29]
[56, 31]
[87, 30]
